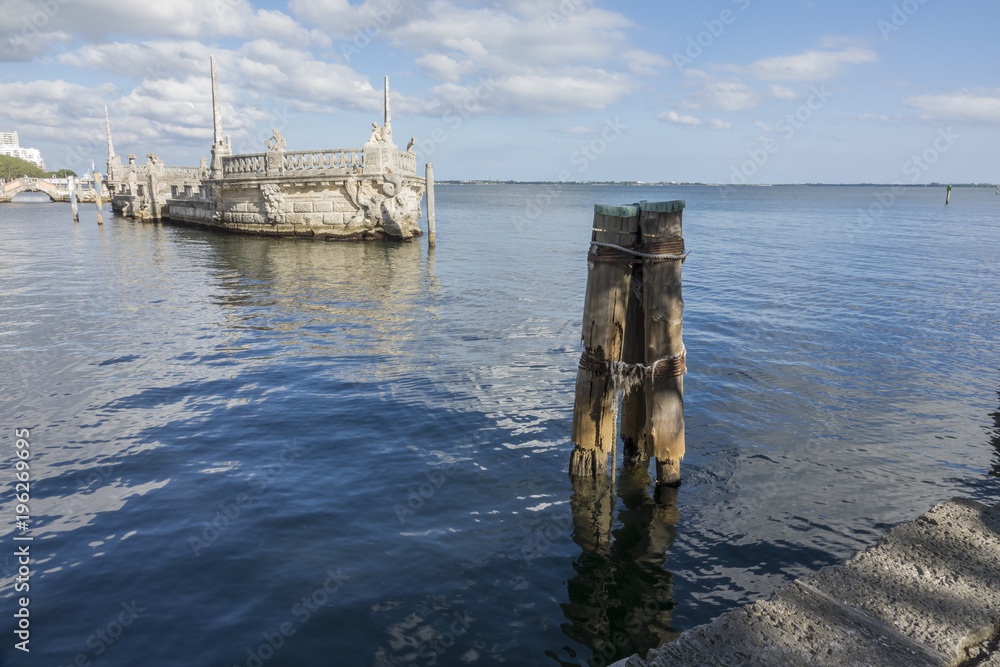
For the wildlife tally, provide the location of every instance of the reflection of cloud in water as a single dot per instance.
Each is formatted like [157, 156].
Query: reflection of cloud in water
[53, 515]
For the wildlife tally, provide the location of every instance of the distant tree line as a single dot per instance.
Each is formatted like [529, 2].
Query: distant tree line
[14, 167]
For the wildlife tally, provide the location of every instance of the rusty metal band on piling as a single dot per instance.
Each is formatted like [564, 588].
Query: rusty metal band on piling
[669, 250]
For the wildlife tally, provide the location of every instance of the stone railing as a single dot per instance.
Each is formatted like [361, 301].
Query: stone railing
[183, 172]
[406, 162]
[346, 159]
[251, 163]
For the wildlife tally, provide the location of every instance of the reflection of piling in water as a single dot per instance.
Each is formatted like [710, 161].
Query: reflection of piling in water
[633, 340]
[593, 509]
[619, 600]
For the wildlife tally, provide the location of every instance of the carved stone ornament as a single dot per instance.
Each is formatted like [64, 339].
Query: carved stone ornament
[274, 203]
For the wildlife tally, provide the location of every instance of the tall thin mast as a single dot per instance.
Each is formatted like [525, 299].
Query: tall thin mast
[216, 109]
[107, 123]
[387, 135]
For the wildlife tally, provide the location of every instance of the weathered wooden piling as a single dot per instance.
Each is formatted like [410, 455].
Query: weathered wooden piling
[633, 340]
[662, 234]
[72, 198]
[429, 179]
[97, 198]
[947, 200]
[608, 279]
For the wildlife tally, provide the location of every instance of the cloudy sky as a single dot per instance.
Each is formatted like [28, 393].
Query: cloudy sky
[783, 91]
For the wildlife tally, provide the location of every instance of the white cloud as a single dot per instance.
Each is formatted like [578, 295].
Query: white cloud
[691, 121]
[43, 24]
[509, 42]
[544, 56]
[961, 106]
[644, 63]
[72, 116]
[545, 93]
[674, 117]
[441, 67]
[782, 93]
[171, 104]
[535, 63]
[531, 57]
[258, 68]
[581, 131]
[715, 93]
[143, 60]
[806, 66]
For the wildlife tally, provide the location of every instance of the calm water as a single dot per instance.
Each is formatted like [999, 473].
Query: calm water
[279, 452]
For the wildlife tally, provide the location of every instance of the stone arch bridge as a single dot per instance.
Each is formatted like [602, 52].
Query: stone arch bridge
[56, 188]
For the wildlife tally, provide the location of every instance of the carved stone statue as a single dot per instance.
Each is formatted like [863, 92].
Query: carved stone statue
[381, 134]
[276, 142]
[409, 146]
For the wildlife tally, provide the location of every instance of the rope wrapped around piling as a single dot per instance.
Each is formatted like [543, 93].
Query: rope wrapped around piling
[671, 250]
[628, 376]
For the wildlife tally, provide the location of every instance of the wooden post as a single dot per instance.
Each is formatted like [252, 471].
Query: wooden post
[660, 224]
[72, 198]
[948, 198]
[635, 443]
[97, 198]
[603, 338]
[429, 178]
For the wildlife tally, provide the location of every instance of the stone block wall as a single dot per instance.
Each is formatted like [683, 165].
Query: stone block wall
[382, 206]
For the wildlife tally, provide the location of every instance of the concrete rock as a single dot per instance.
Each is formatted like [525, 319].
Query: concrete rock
[928, 593]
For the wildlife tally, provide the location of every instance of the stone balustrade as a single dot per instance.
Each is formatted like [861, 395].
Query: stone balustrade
[251, 163]
[341, 160]
[345, 159]
[183, 172]
[406, 163]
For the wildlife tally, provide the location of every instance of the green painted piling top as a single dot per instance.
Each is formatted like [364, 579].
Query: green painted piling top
[662, 206]
[616, 211]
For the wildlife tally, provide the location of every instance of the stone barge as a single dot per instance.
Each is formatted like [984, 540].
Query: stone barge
[364, 193]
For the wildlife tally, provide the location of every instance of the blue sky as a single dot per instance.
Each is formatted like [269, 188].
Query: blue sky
[728, 91]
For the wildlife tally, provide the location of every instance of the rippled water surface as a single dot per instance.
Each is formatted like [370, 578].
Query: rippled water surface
[255, 451]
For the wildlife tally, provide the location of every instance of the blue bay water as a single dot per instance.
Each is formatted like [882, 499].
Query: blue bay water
[280, 452]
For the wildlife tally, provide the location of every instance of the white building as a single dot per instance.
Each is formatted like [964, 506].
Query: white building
[9, 145]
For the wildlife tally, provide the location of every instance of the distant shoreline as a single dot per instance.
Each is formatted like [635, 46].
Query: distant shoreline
[726, 185]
